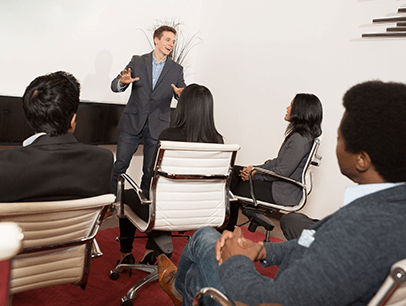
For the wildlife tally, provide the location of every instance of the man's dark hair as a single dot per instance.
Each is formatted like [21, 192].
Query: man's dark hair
[159, 32]
[50, 101]
[375, 122]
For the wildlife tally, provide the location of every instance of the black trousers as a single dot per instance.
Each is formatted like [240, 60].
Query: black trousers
[262, 191]
[292, 224]
[127, 229]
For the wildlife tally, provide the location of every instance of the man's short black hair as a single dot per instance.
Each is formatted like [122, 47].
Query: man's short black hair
[375, 122]
[50, 101]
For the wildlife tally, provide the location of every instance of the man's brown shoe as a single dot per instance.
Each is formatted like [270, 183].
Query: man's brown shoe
[167, 273]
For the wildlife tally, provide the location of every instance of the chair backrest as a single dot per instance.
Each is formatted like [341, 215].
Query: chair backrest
[57, 240]
[307, 176]
[393, 290]
[190, 186]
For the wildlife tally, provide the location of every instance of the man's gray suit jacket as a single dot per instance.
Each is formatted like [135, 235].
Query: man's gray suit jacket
[147, 103]
[349, 258]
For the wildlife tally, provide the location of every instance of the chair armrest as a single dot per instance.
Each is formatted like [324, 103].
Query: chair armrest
[391, 284]
[275, 175]
[61, 245]
[272, 174]
[120, 191]
[232, 197]
[316, 161]
[215, 295]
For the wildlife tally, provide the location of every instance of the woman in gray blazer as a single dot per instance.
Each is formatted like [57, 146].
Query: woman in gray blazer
[304, 115]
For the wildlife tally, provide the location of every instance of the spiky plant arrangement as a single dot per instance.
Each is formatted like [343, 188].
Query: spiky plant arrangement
[182, 46]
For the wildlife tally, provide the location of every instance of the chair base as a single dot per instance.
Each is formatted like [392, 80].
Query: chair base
[96, 251]
[152, 271]
[256, 219]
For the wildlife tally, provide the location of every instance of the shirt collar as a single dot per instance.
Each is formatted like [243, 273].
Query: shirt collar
[155, 62]
[31, 139]
[355, 192]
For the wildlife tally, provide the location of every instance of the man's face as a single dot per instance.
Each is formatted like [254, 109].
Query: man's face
[165, 45]
[347, 161]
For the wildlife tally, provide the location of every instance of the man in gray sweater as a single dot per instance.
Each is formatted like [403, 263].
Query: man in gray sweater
[340, 260]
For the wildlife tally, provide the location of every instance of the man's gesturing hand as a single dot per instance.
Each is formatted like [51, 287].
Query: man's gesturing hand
[125, 77]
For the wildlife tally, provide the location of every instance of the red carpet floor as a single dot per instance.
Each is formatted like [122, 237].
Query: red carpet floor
[101, 290]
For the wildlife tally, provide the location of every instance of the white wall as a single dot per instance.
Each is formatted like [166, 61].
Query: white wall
[255, 56]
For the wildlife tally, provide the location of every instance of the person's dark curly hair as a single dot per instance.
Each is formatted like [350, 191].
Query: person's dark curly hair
[375, 122]
[50, 101]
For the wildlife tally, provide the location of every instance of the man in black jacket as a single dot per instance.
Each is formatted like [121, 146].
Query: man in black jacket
[52, 164]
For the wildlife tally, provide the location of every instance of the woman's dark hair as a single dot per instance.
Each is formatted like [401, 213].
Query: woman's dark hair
[306, 115]
[50, 101]
[194, 113]
[374, 122]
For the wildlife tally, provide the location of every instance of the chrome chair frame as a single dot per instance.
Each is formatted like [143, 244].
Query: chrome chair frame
[257, 208]
[125, 211]
[215, 294]
[393, 290]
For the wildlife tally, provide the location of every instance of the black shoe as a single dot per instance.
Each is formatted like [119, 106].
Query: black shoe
[149, 258]
[129, 260]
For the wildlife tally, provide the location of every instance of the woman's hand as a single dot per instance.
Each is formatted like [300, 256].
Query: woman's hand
[245, 173]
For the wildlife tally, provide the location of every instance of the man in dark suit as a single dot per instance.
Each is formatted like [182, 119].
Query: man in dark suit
[155, 78]
[52, 164]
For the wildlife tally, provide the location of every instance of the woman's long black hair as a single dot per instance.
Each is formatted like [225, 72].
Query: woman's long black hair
[194, 113]
[305, 116]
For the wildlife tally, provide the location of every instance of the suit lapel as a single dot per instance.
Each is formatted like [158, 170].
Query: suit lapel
[148, 64]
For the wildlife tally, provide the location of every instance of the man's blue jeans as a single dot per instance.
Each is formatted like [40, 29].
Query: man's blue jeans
[127, 145]
[198, 267]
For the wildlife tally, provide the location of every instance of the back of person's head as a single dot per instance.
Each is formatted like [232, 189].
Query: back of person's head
[375, 122]
[159, 31]
[194, 113]
[305, 116]
[50, 101]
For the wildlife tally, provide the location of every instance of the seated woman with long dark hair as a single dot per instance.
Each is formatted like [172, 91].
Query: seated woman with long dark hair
[194, 122]
[304, 115]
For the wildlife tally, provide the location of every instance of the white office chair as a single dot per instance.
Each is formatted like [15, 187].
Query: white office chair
[189, 190]
[255, 209]
[57, 242]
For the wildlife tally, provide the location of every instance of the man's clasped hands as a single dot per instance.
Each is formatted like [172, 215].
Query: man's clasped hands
[234, 243]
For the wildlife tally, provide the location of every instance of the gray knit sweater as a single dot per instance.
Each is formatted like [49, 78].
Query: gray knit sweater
[350, 257]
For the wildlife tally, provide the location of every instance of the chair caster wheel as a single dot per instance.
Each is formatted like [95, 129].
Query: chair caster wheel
[114, 275]
[127, 303]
